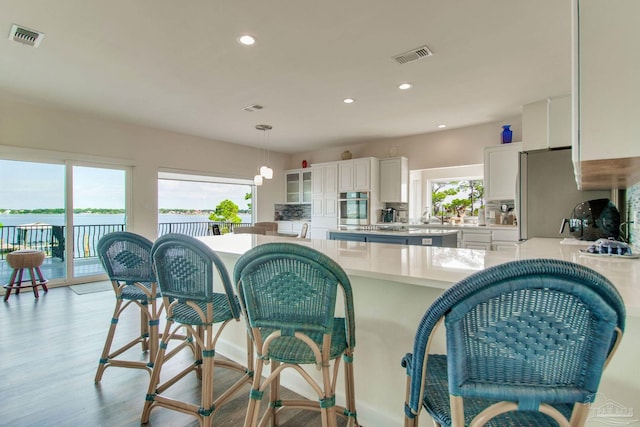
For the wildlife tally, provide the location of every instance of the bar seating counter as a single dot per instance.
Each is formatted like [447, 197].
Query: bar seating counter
[393, 285]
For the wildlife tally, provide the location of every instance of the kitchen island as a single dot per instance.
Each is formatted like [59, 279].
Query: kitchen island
[393, 285]
[409, 236]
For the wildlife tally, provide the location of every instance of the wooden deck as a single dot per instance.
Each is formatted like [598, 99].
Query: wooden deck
[50, 351]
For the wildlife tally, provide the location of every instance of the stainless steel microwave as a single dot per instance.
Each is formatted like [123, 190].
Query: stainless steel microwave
[354, 208]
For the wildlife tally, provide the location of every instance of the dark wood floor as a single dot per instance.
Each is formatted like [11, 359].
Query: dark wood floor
[49, 350]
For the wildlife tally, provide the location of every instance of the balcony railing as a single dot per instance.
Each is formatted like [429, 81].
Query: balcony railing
[51, 238]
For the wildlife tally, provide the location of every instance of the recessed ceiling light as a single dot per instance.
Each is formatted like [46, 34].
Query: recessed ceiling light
[246, 40]
[349, 100]
[442, 126]
[405, 86]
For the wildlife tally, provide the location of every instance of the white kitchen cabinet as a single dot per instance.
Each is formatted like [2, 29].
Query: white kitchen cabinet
[394, 180]
[547, 123]
[605, 91]
[285, 226]
[324, 179]
[298, 184]
[608, 90]
[324, 200]
[501, 171]
[504, 240]
[476, 239]
[357, 174]
[290, 227]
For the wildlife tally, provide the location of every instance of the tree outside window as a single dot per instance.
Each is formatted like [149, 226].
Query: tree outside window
[457, 198]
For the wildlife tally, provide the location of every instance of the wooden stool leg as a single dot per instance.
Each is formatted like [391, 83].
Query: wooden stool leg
[10, 285]
[34, 285]
[19, 282]
[43, 282]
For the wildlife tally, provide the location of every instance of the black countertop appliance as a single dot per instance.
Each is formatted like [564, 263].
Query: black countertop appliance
[593, 220]
[389, 215]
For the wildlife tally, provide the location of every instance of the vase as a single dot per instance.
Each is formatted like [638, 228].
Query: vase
[346, 155]
[507, 134]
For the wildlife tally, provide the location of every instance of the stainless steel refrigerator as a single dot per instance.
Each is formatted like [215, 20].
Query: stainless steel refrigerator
[548, 193]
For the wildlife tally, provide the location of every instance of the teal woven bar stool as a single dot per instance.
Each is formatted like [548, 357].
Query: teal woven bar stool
[126, 257]
[288, 294]
[189, 273]
[527, 342]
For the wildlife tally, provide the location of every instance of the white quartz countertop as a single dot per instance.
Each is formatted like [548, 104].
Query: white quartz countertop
[441, 267]
[403, 232]
[449, 226]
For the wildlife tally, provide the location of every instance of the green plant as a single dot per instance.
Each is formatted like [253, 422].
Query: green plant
[226, 211]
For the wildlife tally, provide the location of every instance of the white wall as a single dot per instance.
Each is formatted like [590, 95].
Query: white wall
[456, 147]
[74, 136]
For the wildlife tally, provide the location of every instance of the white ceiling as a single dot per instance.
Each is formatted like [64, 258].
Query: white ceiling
[177, 65]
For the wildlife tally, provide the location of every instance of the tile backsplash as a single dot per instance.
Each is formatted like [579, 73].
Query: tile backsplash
[633, 206]
[282, 212]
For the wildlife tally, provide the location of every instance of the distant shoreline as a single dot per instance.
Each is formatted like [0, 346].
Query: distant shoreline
[105, 211]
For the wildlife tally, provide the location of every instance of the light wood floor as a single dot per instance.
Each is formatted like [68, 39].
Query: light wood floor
[49, 351]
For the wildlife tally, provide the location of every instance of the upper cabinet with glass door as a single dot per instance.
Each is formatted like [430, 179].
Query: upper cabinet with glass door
[297, 186]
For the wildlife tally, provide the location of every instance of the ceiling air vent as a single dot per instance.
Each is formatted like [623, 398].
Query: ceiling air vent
[413, 55]
[25, 36]
[252, 108]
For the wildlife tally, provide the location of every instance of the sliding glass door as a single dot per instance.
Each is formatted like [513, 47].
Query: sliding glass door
[99, 206]
[62, 209]
[32, 214]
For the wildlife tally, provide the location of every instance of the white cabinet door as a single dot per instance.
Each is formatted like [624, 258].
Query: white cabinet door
[298, 186]
[476, 245]
[324, 179]
[609, 87]
[292, 186]
[345, 174]
[285, 226]
[476, 239]
[354, 175]
[361, 175]
[547, 124]
[330, 180]
[317, 206]
[534, 125]
[317, 180]
[501, 171]
[394, 180]
[330, 207]
[306, 183]
[324, 202]
[560, 121]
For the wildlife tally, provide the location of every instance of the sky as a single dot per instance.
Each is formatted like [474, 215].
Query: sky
[26, 185]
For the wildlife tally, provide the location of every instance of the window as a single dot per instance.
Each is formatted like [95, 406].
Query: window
[190, 203]
[456, 198]
[463, 193]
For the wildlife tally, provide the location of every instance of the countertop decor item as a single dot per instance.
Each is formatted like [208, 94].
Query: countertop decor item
[507, 134]
[346, 155]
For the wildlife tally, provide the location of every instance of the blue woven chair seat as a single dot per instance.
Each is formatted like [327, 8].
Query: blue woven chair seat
[185, 314]
[436, 402]
[132, 292]
[288, 349]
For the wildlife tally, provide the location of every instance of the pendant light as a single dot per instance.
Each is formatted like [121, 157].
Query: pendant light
[257, 179]
[265, 171]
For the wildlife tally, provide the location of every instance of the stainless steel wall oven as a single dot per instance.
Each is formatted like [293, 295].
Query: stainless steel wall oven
[354, 208]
